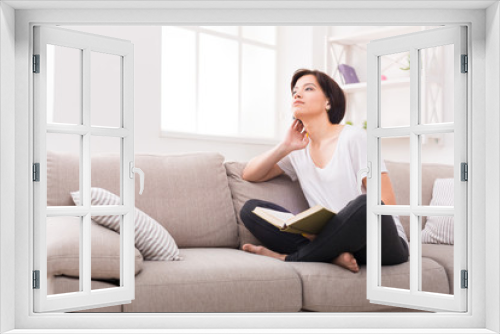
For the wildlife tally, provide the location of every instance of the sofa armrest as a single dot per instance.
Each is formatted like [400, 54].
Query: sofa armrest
[63, 248]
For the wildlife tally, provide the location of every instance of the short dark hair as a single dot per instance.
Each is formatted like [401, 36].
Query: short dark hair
[333, 92]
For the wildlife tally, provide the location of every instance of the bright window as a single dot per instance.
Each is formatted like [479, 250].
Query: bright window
[219, 81]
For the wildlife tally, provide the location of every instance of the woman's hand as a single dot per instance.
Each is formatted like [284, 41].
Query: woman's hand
[311, 237]
[296, 138]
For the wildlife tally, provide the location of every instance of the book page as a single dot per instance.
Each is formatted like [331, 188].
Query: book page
[284, 216]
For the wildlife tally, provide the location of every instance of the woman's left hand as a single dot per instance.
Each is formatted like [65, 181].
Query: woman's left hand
[311, 237]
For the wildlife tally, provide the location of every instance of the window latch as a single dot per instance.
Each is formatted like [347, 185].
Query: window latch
[132, 171]
[365, 171]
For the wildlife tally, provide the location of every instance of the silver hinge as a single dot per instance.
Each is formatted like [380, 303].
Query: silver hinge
[36, 172]
[464, 171]
[465, 64]
[36, 279]
[36, 63]
[465, 279]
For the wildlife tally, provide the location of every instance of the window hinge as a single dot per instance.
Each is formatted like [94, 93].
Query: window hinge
[36, 63]
[464, 171]
[36, 279]
[465, 64]
[465, 279]
[36, 172]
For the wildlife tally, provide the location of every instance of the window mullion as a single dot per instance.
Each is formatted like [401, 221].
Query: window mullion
[85, 175]
[197, 84]
[240, 72]
[415, 174]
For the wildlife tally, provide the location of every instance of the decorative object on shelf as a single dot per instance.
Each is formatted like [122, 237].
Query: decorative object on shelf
[407, 68]
[383, 78]
[348, 123]
[348, 74]
[365, 124]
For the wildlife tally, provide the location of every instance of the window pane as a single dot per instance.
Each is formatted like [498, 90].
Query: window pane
[63, 254]
[63, 168]
[397, 150]
[105, 89]
[105, 259]
[64, 85]
[437, 244]
[395, 90]
[178, 87]
[218, 86]
[437, 162]
[393, 276]
[106, 161]
[258, 92]
[437, 84]
[264, 34]
[231, 30]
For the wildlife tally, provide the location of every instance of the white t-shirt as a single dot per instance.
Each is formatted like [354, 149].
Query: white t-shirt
[335, 185]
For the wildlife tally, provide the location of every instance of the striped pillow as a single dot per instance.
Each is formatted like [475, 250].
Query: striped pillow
[439, 229]
[151, 239]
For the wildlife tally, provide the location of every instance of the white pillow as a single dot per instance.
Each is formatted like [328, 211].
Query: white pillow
[151, 239]
[439, 229]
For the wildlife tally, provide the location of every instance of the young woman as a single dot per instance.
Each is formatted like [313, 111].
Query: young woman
[324, 156]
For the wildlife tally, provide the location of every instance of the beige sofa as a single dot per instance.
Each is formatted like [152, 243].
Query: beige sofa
[197, 198]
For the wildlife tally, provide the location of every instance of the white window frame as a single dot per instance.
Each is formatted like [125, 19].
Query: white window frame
[483, 103]
[238, 138]
[456, 36]
[86, 297]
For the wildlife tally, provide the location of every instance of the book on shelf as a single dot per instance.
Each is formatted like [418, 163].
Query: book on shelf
[310, 221]
[348, 73]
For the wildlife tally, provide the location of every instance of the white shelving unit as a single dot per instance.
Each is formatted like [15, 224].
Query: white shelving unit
[361, 86]
[350, 49]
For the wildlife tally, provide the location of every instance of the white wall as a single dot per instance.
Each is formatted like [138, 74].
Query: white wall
[296, 50]
[299, 47]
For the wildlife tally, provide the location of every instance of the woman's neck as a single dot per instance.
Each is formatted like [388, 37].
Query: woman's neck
[320, 131]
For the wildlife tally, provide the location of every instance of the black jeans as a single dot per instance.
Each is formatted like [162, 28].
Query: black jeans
[346, 232]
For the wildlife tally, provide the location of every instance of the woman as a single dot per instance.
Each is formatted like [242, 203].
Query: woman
[325, 157]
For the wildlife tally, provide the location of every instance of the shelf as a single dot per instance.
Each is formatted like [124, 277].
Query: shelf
[361, 86]
[364, 37]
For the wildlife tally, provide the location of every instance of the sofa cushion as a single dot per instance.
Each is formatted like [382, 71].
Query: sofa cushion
[63, 249]
[63, 284]
[217, 280]
[442, 254]
[280, 190]
[188, 194]
[440, 229]
[152, 240]
[330, 288]
[399, 172]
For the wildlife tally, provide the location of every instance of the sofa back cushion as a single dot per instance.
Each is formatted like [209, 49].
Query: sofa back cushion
[187, 194]
[399, 172]
[280, 190]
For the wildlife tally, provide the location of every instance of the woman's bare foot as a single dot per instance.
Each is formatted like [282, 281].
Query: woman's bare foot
[261, 250]
[347, 260]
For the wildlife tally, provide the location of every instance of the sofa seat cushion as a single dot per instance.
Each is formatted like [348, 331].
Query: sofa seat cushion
[329, 288]
[217, 280]
[442, 254]
[280, 190]
[63, 284]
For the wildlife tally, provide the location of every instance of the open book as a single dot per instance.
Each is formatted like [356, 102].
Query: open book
[310, 221]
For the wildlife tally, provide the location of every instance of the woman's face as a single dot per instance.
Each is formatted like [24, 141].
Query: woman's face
[308, 99]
